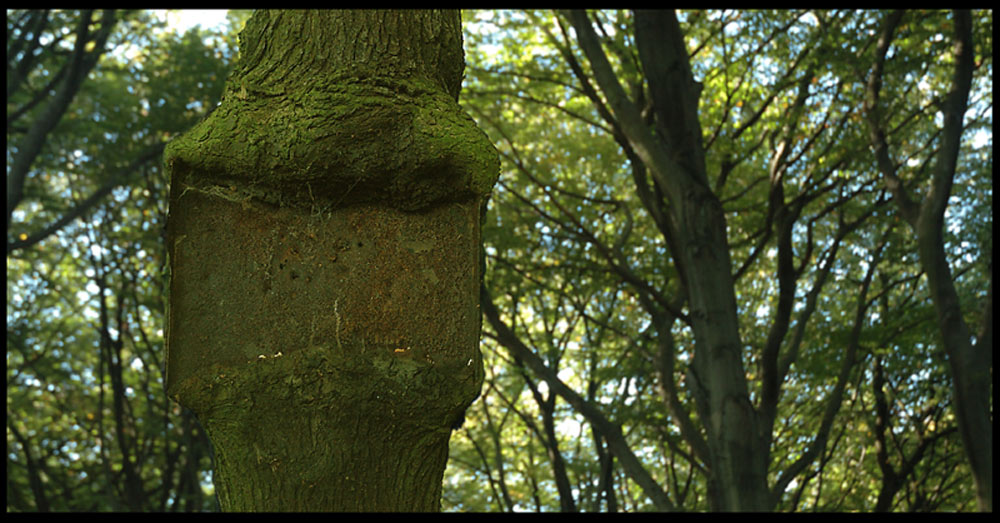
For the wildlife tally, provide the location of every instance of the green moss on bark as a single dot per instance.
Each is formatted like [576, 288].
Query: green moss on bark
[324, 244]
[346, 134]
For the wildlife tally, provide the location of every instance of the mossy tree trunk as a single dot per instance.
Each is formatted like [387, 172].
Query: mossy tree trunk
[324, 243]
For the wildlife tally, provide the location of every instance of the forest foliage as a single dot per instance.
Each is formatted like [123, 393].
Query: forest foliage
[587, 404]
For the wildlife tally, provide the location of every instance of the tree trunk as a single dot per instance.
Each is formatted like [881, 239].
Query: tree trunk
[324, 243]
[737, 445]
[970, 363]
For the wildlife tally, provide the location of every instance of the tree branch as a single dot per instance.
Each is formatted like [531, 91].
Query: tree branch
[81, 209]
[31, 145]
[835, 399]
[673, 90]
[909, 209]
[625, 111]
[611, 432]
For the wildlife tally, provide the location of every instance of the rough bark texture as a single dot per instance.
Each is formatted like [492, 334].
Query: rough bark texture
[324, 242]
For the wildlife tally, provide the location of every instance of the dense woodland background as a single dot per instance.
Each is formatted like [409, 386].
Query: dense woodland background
[579, 261]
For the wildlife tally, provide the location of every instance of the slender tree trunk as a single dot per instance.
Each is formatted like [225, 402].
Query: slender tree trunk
[737, 446]
[970, 363]
[324, 243]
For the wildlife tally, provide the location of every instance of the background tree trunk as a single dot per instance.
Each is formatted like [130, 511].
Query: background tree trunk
[737, 447]
[324, 241]
[970, 362]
